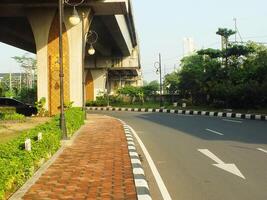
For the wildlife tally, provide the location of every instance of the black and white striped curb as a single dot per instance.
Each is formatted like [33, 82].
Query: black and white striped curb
[186, 112]
[141, 184]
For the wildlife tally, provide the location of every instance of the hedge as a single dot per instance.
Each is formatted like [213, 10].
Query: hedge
[18, 165]
[12, 116]
[5, 109]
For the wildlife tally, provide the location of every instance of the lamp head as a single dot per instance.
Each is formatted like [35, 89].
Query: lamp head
[74, 18]
[91, 50]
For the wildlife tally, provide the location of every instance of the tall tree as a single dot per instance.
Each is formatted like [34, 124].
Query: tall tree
[29, 66]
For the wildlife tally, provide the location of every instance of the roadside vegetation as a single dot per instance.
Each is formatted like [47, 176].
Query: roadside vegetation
[21, 163]
[233, 78]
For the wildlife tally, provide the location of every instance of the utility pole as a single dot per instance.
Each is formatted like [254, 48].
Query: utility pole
[83, 68]
[20, 82]
[160, 80]
[10, 82]
[107, 77]
[61, 73]
[157, 65]
[235, 20]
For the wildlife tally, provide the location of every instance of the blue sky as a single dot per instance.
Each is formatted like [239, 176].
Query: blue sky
[162, 25]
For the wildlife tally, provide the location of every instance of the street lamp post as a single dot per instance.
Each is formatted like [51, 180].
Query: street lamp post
[83, 71]
[61, 73]
[107, 77]
[158, 71]
[74, 19]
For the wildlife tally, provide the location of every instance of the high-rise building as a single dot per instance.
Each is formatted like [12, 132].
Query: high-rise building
[189, 46]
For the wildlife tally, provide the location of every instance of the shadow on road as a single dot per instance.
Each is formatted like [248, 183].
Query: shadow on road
[248, 131]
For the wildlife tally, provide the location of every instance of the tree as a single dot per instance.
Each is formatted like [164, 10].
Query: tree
[132, 92]
[151, 88]
[225, 34]
[171, 83]
[29, 66]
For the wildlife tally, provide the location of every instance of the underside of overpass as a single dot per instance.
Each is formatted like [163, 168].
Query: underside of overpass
[32, 25]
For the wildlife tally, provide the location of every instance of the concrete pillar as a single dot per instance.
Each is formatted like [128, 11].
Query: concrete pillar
[45, 27]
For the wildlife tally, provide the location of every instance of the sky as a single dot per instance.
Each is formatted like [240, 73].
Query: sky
[162, 25]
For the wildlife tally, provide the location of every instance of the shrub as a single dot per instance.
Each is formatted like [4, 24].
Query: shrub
[41, 111]
[7, 110]
[12, 116]
[17, 165]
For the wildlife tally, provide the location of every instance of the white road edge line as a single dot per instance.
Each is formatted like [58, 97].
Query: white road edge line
[263, 150]
[216, 132]
[234, 121]
[164, 192]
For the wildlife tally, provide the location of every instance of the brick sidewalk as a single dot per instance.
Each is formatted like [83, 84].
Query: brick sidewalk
[96, 166]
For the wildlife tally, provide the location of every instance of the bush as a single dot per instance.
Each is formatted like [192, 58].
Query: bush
[12, 116]
[100, 101]
[17, 165]
[7, 110]
[41, 111]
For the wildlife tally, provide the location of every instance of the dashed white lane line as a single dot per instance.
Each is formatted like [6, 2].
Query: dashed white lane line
[216, 132]
[234, 121]
[263, 150]
[164, 191]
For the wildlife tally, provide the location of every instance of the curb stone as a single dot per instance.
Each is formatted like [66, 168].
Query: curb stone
[186, 112]
[140, 181]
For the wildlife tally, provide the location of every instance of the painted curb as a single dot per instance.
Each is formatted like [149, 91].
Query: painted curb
[140, 181]
[186, 112]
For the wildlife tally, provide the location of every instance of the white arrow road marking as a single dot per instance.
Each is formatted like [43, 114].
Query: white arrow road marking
[263, 150]
[220, 164]
[216, 132]
[234, 121]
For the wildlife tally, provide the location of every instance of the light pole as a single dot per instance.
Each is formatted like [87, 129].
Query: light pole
[157, 65]
[61, 73]
[74, 19]
[91, 51]
[107, 77]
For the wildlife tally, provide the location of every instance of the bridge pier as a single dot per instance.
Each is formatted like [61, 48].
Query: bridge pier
[45, 28]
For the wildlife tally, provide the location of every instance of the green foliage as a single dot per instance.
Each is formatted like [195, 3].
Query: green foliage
[133, 92]
[10, 94]
[68, 105]
[41, 111]
[27, 95]
[17, 165]
[74, 119]
[151, 88]
[8, 110]
[224, 32]
[241, 83]
[103, 100]
[171, 82]
[12, 116]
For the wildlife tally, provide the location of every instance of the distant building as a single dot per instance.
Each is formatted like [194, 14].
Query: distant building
[189, 46]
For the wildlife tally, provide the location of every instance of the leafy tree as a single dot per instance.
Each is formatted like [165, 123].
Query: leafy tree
[171, 83]
[151, 88]
[225, 34]
[29, 66]
[133, 92]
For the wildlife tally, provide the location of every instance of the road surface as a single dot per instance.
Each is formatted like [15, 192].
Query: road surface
[204, 158]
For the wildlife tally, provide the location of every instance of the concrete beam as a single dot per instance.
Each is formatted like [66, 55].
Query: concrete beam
[100, 7]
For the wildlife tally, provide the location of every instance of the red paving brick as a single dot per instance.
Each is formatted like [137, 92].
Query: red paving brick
[97, 166]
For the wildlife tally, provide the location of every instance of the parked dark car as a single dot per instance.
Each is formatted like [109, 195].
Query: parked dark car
[21, 108]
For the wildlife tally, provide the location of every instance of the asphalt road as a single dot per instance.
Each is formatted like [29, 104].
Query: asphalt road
[185, 149]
